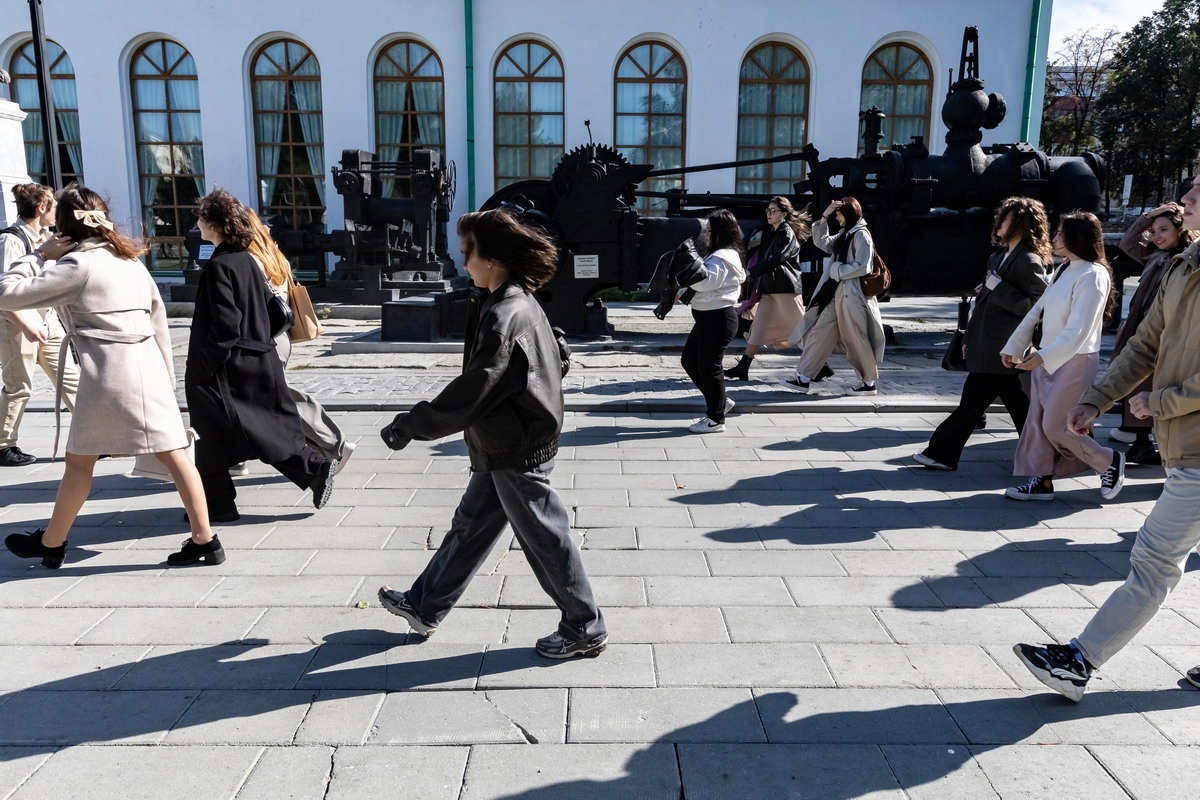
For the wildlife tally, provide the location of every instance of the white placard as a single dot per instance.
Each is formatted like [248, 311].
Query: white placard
[205, 252]
[587, 266]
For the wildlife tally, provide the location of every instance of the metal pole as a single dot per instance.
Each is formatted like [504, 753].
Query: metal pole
[45, 96]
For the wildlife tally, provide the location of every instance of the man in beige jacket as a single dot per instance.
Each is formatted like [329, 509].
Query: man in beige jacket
[1165, 347]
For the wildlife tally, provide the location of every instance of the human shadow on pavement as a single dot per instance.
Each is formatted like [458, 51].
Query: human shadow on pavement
[841, 755]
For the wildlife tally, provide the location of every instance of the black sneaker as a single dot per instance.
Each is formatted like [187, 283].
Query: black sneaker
[982, 423]
[557, 646]
[1059, 666]
[795, 384]
[210, 553]
[1143, 453]
[322, 487]
[1193, 676]
[1113, 478]
[864, 388]
[1037, 489]
[823, 373]
[397, 603]
[13, 457]
[29, 545]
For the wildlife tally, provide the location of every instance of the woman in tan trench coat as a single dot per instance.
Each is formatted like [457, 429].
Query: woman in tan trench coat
[126, 404]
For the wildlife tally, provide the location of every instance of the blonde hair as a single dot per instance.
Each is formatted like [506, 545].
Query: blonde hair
[263, 247]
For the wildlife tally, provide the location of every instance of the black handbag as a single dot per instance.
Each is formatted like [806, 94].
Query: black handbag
[954, 360]
[279, 313]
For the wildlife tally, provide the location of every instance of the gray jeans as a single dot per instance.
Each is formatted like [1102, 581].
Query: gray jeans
[526, 500]
[1169, 534]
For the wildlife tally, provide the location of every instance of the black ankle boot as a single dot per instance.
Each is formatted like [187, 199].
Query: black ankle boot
[29, 545]
[741, 370]
[211, 553]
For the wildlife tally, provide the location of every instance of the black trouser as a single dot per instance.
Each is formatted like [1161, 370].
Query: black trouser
[301, 469]
[703, 352]
[979, 390]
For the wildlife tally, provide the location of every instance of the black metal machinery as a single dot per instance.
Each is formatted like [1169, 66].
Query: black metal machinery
[931, 215]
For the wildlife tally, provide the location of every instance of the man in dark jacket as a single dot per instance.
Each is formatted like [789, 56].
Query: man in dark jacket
[508, 403]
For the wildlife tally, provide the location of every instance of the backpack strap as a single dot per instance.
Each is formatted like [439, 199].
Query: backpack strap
[15, 230]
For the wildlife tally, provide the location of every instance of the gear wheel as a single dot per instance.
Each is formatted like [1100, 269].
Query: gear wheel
[587, 163]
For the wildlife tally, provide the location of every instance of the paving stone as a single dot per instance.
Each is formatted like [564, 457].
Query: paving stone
[314, 626]
[430, 773]
[577, 771]
[1163, 773]
[64, 667]
[1063, 771]
[524, 591]
[711, 591]
[37, 589]
[18, 763]
[953, 626]
[907, 562]
[625, 563]
[289, 773]
[811, 624]
[47, 626]
[39, 717]
[856, 716]
[419, 665]
[883, 591]
[750, 665]
[108, 591]
[601, 517]
[303, 590]
[109, 773]
[655, 537]
[916, 666]
[938, 772]
[241, 716]
[664, 715]
[148, 626]
[520, 716]
[754, 564]
[339, 717]
[620, 665]
[713, 771]
[1172, 712]
[246, 666]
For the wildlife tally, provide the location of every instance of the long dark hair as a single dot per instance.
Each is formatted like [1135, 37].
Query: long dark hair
[799, 221]
[723, 232]
[528, 254]
[1186, 237]
[1027, 218]
[79, 198]
[1084, 238]
[851, 211]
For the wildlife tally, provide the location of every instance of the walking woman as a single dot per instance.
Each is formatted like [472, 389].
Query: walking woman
[1016, 278]
[1153, 241]
[839, 313]
[236, 393]
[715, 318]
[775, 277]
[115, 319]
[320, 431]
[508, 403]
[1071, 313]
[32, 337]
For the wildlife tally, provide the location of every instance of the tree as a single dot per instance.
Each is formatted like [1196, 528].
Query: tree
[1074, 80]
[1148, 114]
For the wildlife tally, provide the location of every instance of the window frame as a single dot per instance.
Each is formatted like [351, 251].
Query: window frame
[772, 81]
[529, 77]
[897, 82]
[652, 77]
[399, 186]
[71, 170]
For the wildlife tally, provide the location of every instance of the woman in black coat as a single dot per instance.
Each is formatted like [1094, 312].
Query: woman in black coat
[1016, 278]
[237, 398]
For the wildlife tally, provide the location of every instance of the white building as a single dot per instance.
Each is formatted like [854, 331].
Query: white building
[160, 101]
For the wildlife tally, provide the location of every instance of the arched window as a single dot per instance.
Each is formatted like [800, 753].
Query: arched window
[529, 112]
[66, 111]
[772, 117]
[289, 135]
[898, 80]
[170, 158]
[650, 116]
[409, 106]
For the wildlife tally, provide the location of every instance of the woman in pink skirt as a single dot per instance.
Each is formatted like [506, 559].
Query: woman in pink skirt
[1071, 313]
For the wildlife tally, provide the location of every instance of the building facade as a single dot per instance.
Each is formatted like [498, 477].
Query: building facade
[158, 103]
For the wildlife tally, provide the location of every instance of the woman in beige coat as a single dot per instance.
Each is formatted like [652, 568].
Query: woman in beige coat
[840, 317]
[126, 404]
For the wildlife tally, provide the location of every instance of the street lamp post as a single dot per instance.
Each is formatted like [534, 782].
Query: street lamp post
[45, 96]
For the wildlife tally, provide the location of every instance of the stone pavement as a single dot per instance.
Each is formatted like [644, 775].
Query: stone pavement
[796, 612]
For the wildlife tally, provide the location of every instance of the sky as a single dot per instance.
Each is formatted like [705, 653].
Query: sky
[1069, 17]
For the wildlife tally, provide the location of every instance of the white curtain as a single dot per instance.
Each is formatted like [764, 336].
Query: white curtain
[427, 102]
[271, 97]
[308, 99]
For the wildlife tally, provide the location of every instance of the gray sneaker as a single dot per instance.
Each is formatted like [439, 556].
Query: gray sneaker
[397, 603]
[557, 646]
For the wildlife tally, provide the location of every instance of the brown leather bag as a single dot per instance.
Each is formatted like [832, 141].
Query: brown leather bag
[880, 278]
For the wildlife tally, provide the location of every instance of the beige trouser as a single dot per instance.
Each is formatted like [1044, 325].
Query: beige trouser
[827, 332]
[18, 356]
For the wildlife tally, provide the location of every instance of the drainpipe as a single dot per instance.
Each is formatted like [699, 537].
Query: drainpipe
[1035, 26]
[468, 13]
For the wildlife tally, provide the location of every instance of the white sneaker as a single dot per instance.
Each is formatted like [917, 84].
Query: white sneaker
[729, 404]
[1125, 437]
[239, 470]
[347, 451]
[930, 463]
[706, 425]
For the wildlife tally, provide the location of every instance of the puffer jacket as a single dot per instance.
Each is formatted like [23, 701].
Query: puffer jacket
[1165, 346]
[508, 402]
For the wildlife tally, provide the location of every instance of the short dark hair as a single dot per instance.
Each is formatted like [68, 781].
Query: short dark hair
[220, 209]
[530, 256]
[30, 197]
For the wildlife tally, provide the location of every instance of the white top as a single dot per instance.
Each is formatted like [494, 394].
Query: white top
[13, 250]
[723, 283]
[1071, 312]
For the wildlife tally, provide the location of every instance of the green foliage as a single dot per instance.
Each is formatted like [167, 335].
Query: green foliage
[615, 295]
[1148, 112]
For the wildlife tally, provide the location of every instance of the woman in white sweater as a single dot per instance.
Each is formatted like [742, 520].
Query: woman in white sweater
[715, 319]
[1063, 366]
